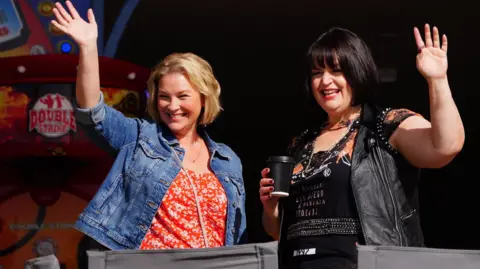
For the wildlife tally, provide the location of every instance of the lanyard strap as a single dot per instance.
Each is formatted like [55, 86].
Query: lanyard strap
[200, 217]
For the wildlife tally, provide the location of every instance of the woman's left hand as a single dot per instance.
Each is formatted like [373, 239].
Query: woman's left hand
[432, 56]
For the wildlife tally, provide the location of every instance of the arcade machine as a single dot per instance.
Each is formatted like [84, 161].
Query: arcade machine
[49, 169]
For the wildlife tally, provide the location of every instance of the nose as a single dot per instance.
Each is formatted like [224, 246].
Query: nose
[326, 78]
[174, 104]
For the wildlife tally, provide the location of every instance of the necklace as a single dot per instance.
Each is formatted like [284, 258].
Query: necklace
[326, 152]
[355, 111]
[199, 151]
[339, 125]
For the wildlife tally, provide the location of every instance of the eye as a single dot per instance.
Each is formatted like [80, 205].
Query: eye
[317, 73]
[337, 71]
[183, 96]
[163, 97]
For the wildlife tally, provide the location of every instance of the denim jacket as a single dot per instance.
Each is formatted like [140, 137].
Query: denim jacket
[122, 210]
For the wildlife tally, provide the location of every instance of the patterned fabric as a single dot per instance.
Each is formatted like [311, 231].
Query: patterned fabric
[122, 210]
[321, 212]
[389, 124]
[177, 225]
[394, 118]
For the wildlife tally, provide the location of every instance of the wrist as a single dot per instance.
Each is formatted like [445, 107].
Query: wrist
[437, 81]
[439, 86]
[92, 47]
[270, 212]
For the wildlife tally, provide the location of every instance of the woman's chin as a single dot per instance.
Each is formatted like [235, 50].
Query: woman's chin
[331, 107]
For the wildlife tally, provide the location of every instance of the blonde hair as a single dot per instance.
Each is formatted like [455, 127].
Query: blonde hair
[200, 75]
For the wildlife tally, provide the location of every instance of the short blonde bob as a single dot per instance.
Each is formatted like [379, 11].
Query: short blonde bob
[200, 75]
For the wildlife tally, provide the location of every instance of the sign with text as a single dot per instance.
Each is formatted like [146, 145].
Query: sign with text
[39, 119]
[52, 116]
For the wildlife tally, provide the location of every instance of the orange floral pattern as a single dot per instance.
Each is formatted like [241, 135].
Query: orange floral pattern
[176, 223]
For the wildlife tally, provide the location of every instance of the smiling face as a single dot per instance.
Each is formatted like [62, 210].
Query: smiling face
[330, 88]
[179, 104]
[342, 73]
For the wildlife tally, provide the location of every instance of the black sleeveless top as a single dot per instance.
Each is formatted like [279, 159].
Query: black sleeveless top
[320, 222]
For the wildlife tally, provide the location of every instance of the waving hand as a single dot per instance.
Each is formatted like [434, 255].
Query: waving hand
[84, 33]
[432, 56]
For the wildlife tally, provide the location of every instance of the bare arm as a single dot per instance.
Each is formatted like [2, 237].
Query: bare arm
[85, 35]
[109, 128]
[435, 144]
[447, 131]
[271, 223]
[88, 77]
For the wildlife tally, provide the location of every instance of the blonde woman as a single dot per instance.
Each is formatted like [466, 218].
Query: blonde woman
[171, 186]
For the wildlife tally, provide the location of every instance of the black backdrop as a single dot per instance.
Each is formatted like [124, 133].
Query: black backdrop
[256, 49]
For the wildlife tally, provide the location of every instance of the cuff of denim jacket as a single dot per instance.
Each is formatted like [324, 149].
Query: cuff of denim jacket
[93, 115]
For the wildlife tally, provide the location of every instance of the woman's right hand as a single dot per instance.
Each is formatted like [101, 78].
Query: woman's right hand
[83, 33]
[266, 187]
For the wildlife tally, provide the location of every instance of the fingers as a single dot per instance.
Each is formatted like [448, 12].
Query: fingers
[91, 16]
[60, 27]
[266, 190]
[432, 39]
[59, 17]
[72, 10]
[418, 39]
[265, 198]
[265, 172]
[63, 12]
[436, 37]
[266, 186]
[428, 36]
[444, 43]
[266, 194]
[266, 182]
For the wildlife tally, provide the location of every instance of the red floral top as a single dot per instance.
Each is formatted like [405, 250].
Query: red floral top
[176, 223]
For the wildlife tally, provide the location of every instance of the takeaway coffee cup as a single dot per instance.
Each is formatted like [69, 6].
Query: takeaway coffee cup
[281, 170]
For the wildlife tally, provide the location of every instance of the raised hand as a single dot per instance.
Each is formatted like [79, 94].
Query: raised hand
[432, 56]
[82, 32]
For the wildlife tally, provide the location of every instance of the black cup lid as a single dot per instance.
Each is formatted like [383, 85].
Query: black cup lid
[280, 159]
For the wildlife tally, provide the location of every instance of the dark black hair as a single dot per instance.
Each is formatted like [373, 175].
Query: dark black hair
[354, 59]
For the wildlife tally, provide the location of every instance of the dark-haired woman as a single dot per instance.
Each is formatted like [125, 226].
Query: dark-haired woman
[356, 176]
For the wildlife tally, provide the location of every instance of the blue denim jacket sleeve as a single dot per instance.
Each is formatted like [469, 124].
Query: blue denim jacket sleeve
[108, 127]
[244, 233]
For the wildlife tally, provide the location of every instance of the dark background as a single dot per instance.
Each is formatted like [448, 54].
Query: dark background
[256, 49]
